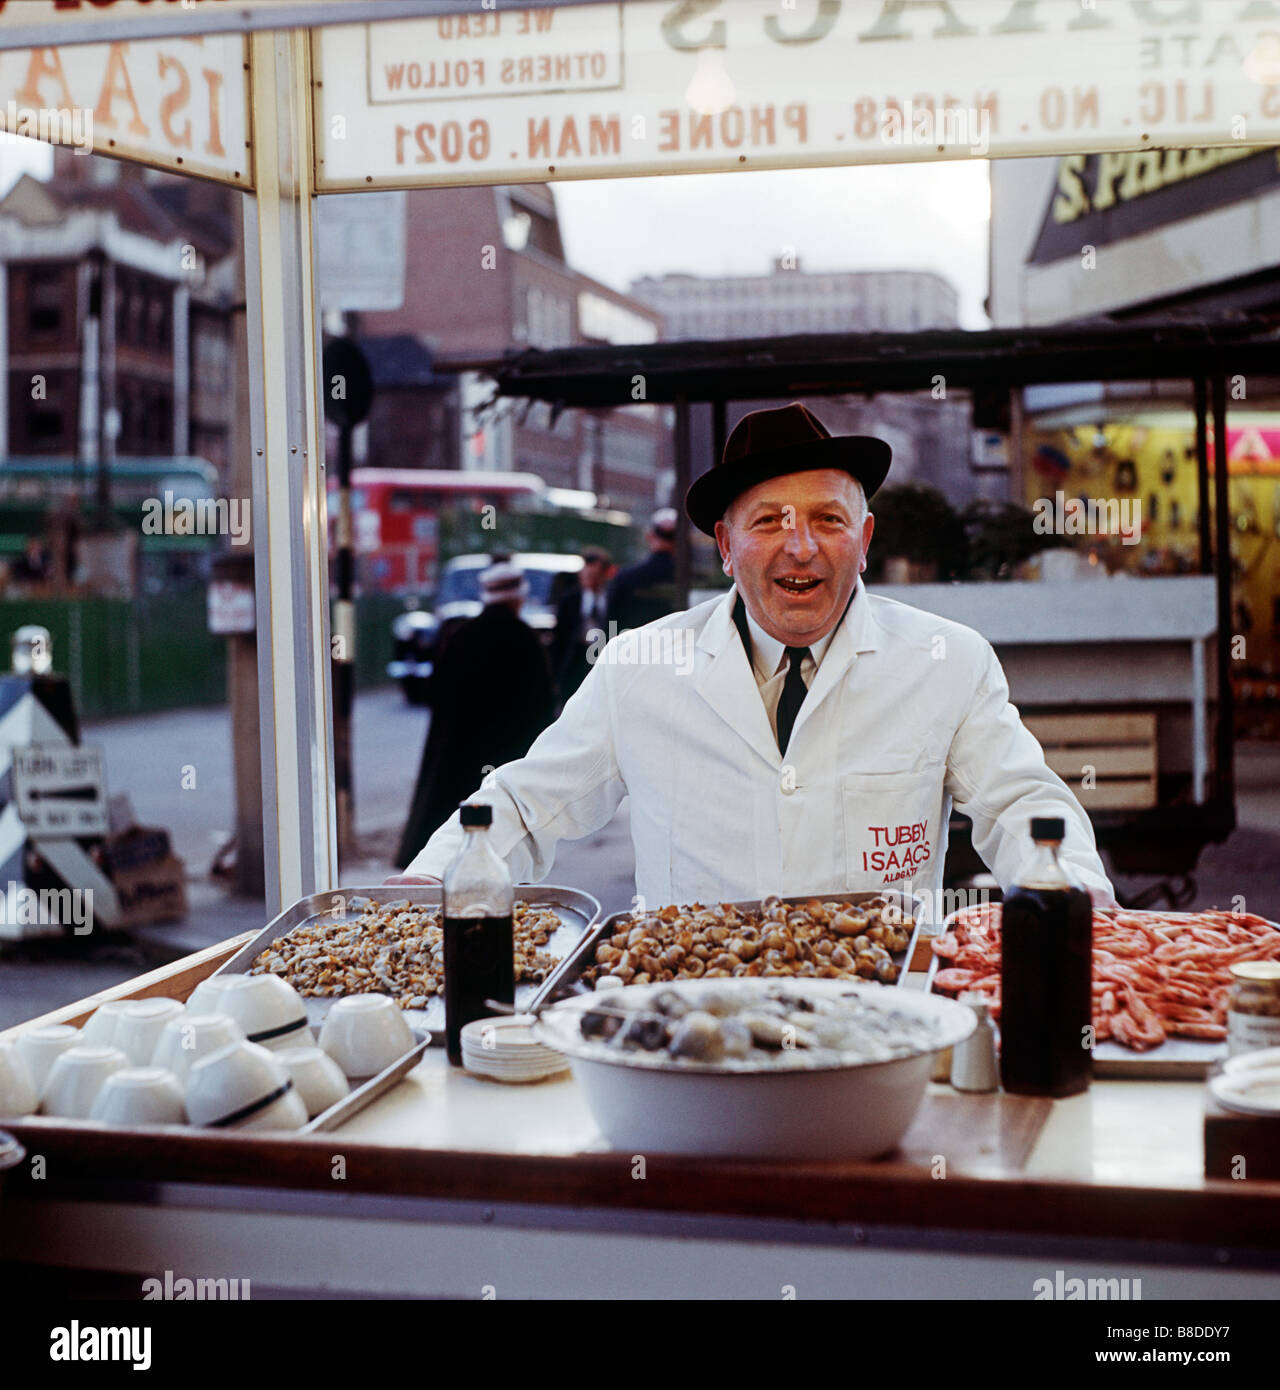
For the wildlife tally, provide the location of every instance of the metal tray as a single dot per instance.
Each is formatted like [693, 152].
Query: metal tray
[1176, 1059]
[369, 1091]
[577, 911]
[564, 981]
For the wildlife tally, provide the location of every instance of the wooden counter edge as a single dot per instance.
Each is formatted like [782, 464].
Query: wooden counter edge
[84, 1161]
[173, 981]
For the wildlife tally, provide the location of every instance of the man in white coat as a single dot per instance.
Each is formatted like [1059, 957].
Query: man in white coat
[798, 735]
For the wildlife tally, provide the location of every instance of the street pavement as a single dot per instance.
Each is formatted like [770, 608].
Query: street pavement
[146, 757]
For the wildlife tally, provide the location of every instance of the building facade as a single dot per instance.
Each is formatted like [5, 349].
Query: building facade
[117, 286]
[793, 300]
[486, 274]
[930, 437]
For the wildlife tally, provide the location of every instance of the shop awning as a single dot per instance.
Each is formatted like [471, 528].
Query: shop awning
[849, 363]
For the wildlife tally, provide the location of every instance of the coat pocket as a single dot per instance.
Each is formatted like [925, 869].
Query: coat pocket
[891, 822]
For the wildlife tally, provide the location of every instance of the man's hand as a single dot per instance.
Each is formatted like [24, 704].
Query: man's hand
[409, 878]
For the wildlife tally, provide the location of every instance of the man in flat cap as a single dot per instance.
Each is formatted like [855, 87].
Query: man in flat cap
[820, 735]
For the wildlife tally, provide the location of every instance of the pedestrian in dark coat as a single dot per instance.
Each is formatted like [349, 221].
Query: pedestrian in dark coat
[492, 695]
[645, 592]
[582, 612]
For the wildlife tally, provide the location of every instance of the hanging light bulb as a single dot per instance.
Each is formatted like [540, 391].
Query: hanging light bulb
[1262, 63]
[710, 91]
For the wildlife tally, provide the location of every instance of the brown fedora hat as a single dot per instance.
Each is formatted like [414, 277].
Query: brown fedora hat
[768, 443]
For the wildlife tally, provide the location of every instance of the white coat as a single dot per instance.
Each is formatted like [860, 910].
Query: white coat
[907, 713]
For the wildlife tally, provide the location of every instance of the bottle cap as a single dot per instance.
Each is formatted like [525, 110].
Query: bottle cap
[1257, 971]
[475, 813]
[1048, 827]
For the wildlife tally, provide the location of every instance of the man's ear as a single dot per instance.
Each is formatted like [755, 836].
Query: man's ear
[722, 540]
[868, 526]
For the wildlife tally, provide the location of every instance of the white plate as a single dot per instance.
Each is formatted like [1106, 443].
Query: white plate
[1254, 1092]
[1251, 1061]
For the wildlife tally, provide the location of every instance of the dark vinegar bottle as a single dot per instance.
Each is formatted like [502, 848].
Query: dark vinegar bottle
[1046, 968]
[479, 938]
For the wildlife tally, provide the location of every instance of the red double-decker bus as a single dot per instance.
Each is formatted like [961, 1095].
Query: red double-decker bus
[395, 518]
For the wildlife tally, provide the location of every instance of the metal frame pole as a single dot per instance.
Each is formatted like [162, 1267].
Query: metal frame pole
[1225, 778]
[684, 477]
[289, 506]
[1202, 473]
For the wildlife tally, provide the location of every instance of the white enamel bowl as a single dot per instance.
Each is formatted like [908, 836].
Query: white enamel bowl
[365, 1033]
[18, 1094]
[268, 1009]
[648, 1103]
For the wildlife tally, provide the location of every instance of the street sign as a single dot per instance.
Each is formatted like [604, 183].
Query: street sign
[361, 244]
[231, 608]
[348, 383]
[649, 87]
[60, 790]
[178, 104]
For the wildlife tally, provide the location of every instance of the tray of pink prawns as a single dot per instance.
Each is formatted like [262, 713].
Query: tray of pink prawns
[1160, 980]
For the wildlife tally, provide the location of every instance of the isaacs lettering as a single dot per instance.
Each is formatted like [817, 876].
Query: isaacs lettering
[704, 23]
[897, 850]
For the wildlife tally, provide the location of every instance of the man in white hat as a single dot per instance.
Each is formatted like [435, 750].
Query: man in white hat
[491, 695]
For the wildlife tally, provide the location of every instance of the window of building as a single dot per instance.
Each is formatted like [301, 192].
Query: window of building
[45, 425]
[46, 301]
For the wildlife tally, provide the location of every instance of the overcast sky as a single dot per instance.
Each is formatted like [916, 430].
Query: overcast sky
[876, 217]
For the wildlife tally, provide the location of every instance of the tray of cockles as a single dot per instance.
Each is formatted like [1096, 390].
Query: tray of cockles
[390, 940]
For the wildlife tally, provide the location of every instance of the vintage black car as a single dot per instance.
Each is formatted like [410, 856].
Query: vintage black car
[417, 634]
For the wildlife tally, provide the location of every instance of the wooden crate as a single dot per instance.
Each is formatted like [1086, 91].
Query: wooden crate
[1120, 748]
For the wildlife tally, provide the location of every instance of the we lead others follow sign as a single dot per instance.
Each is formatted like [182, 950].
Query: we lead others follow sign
[652, 86]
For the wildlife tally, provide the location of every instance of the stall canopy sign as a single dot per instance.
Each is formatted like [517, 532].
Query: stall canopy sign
[1103, 198]
[178, 104]
[651, 86]
[27, 22]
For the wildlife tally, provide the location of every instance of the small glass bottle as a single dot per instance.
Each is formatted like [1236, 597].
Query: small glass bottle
[1253, 1006]
[479, 937]
[1046, 976]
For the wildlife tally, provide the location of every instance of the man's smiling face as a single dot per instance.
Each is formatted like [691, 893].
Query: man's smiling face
[795, 546]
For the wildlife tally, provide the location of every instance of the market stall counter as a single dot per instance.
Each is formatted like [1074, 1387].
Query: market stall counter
[455, 1185]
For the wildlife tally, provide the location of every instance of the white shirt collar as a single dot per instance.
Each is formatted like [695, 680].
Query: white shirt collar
[767, 653]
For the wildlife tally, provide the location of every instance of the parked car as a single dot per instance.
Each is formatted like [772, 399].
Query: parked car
[417, 635]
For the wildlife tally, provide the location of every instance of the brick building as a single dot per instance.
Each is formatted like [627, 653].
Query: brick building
[116, 285]
[486, 273]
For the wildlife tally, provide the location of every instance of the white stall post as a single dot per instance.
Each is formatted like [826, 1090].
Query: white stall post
[290, 525]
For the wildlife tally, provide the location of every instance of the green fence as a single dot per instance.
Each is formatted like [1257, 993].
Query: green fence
[157, 653]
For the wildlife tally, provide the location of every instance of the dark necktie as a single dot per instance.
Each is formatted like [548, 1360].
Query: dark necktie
[793, 693]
